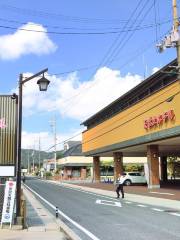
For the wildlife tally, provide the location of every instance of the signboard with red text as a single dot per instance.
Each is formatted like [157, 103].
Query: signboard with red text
[159, 120]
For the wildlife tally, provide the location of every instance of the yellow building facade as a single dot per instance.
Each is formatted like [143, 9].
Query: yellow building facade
[143, 122]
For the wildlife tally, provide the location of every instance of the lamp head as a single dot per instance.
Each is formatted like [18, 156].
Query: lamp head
[43, 83]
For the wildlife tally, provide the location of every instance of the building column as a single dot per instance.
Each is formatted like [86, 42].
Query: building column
[164, 168]
[65, 173]
[153, 165]
[118, 164]
[96, 169]
[83, 173]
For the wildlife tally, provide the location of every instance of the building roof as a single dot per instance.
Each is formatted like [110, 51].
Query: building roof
[149, 86]
[76, 164]
[72, 143]
[74, 150]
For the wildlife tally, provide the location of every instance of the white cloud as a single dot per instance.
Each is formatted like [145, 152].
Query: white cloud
[155, 69]
[12, 46]
[75, 99]
[90, 97]
[31, 140]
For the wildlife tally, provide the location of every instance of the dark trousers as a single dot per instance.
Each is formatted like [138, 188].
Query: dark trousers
[118, 189]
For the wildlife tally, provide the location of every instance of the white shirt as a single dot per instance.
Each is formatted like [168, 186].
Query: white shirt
[120, 180]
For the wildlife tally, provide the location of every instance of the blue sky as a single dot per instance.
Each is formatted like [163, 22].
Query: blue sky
[119, 56]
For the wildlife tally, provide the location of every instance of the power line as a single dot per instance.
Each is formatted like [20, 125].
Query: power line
[99, 65]
[138, 53]
[39, 13]
[127, 38]
[155, 20]
[77, 33]
[65, 140]
[118, 39]
[81, 29]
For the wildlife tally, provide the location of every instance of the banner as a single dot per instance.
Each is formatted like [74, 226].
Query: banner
[8, 135]
[9, 199]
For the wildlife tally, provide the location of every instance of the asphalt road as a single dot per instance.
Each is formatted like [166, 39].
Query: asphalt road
[104, 218]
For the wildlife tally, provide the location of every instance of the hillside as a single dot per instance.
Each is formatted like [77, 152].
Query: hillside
[34, 154]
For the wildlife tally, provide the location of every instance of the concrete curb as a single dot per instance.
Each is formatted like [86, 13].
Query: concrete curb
[68, 231]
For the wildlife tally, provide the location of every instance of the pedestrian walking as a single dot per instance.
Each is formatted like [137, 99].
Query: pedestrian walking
[119, 183]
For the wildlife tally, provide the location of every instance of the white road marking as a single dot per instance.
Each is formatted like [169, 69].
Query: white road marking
[140, 205]
[128, 202]
[163, 193]
[175, 214]
[88, 233]
[109, 203]
[157, 209]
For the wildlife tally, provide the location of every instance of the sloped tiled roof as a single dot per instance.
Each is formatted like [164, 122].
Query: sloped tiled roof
[75, 150]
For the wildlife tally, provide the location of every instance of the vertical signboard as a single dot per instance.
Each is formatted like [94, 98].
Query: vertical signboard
[8, 135]
[9, 199]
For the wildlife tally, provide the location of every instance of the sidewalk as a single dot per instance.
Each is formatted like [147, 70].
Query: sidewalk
[166, 192]
[143, 198]
[41, 224]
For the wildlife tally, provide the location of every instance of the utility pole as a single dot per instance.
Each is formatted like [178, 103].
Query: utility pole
[39, 153]
[53, 125]
[28, 160]
[176, 29]
[172, 39]
[33, 158]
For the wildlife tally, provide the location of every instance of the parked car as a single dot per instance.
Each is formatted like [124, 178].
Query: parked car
[134, 178]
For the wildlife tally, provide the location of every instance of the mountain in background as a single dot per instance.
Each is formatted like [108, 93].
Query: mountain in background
[34, 154]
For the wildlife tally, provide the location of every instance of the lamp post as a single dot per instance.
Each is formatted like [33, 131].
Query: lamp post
[43, 84]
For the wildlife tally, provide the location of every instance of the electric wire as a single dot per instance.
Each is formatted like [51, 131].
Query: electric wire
[101, 62]
[51, 15]
[123, 65]
[126, 39]
[155, 20]
[75, 33]
[110, 49]
[69, 99]
[76, 28]
[139, 52]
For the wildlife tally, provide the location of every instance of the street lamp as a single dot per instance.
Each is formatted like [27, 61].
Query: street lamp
[43, 84]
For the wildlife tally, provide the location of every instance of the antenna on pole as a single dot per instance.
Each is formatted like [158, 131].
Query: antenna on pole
[173, 38]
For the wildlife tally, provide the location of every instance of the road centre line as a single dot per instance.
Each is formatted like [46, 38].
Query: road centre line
[157, 209]
[175, 214]
[141, 205]
[88, 233]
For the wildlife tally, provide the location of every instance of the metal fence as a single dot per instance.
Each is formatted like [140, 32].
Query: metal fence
[2, 188]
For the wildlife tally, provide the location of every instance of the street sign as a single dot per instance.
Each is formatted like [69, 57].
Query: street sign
[9, 199]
